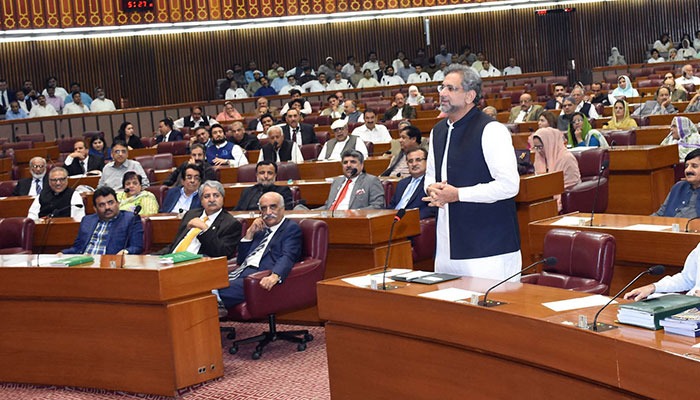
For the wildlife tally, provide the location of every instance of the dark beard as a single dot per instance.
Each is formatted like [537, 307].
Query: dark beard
[219, 141]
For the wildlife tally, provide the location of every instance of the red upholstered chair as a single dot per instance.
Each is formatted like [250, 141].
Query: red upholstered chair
[323, 137]
[286, 171]
[7, 187]
[370, 148]
[388, 192]
[297, 292]
[148, 141]
[16, 235]
[582, 196]
[424, 244]
[147, 235]
[622, 138]
[246, 173]
[19, 145]
[33, 137]
[179, 147]
[585, 261]
[159, 191]
[145, 161]
[311, 151]
[163, 161]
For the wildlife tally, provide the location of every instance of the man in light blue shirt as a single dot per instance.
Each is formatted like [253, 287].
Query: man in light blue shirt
[15, 112]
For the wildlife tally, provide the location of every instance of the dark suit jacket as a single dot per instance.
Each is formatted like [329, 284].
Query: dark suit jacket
[174, 136]
[220, 240]
[407, 112]
[117, 238]
[280, 254]
[171, 198]
[251, 195]
[307, 133]
[94, 163]
[551, 104]
[25, 184]
[176, 175]
[416, 199]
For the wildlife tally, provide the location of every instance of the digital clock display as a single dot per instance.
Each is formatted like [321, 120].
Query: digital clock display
[137, 5]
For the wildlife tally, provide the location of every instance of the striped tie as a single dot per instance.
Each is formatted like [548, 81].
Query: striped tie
[238, 271]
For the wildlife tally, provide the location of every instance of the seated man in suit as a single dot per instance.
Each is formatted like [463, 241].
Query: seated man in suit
[410, 138]
[166, 132]
[186, 197]
[58, 200]
[224, 152]
[80, 162]
[526, 111]
[342, 142]
[39, 180]
[197, 156]
[280, 149]
[242, 139]
[108, 231]
[212, 231]
[409, 191]
[687, 281]
[266, 175]
[113, 172]
[195, 119]
[555, 103]
[682, 201]
[660, 105]
[399, 110]
[272, 243]
[355, 190]
[295, 130]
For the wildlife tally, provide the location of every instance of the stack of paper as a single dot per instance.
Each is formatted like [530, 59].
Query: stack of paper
[686, 323]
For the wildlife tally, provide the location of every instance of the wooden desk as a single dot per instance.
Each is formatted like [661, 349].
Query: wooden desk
[651, 135]
[665, 119]
[446, 350]
[15, 206]
[640, 178]
[146, 151]
[144, 328]
[635, 249]
[535, 202]
[76, 181]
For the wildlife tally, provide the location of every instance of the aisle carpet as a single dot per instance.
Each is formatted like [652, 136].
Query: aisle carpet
[282, 373]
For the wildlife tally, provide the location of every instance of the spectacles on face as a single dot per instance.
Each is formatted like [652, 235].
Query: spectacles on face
[538, 147]
[449, 88]
[58, 180]
[38, 166]
[119, 151]
[414, 160]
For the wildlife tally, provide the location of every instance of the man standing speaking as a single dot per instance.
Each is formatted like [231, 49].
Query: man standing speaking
[472, 176]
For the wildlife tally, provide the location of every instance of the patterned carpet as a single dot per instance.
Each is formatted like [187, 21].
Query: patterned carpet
[281, 373]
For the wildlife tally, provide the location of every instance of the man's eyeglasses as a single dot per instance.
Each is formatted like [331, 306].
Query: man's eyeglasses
[38, 166]
[58, 180]
[449, 88]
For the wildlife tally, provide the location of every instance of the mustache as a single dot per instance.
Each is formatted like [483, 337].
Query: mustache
[269, 216]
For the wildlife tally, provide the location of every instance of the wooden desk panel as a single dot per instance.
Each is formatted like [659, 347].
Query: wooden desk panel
[453, 346]
[665, 119]
[640, 178]
[142, 328]
[15, 206]
[534, 202]
[651, 135]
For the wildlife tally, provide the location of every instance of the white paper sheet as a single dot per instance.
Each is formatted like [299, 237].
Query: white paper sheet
[415, 274]
[649, 227]
[162, 217]
[366, 280]
[573, 304]
[572, 221]
[451, 294]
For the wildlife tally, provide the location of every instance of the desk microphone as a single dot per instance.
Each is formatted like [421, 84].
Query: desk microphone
[397, 218]
[603, 167]
[655, 270]
[486, 303]
[687, 224]
[48, 225]
[137, 210]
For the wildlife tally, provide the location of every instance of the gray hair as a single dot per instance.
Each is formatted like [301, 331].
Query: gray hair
[58, 169]
[277, 196]
[212, 184]
[353, 153]
[37, 158]
[275, 127]
[470, 79]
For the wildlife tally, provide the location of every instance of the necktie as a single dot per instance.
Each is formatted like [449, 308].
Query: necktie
[2, 97]
[238, 271]
[408, 193]
[82, 166]
[187, 240]
[37, 182]
[341, 195]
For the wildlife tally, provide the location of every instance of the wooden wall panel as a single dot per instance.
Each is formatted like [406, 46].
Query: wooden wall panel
[163, 69]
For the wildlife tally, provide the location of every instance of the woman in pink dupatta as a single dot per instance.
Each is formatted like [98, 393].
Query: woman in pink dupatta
[551, 155]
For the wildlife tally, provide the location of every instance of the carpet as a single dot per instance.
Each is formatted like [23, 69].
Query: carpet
[282, 373]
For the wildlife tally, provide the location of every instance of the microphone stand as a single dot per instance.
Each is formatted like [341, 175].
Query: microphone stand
[601, 327]
[397, 218]
[603, 167]
[491, 303]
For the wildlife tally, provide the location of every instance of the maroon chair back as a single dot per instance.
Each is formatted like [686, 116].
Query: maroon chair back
[424, 244]
[310, 151]
[323, 137]
[246, 173]
[19, 145]
[585, 261]
[148, 141]
[370, 148]
[147, 235]
[33, 137]
[623, 138]
[145, 161]
[179, 147]
[7, 187]
[287, 171]
[159, 191]
[16, 235]
[163, 161]
[388, 192]
[582, 196]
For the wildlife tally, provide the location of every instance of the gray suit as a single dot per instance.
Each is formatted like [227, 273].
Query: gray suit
[366, 193]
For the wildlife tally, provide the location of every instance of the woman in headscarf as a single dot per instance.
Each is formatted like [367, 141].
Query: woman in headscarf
[414, 96]
[624, 89]
[685, 134]
[228, 114]
[655, 57]
[551, 155]
[616, 58]
[581, 133]
[621, 117]
[686, 51]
